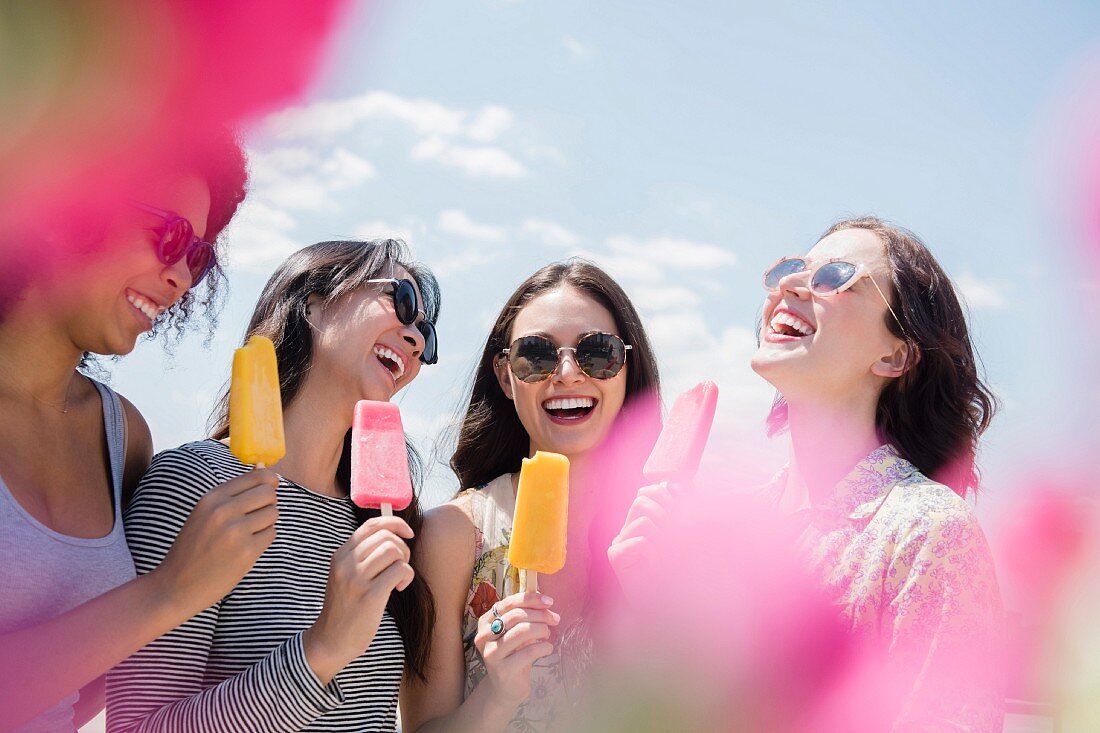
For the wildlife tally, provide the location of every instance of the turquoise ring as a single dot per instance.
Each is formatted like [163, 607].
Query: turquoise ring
[497, 627]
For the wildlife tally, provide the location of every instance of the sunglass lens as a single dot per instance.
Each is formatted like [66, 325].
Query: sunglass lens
[601, 355]
[175, 240]
[781, 269]
[404, 302]
[831, 277]
[431, 345]
[200, 260]
[533, 358]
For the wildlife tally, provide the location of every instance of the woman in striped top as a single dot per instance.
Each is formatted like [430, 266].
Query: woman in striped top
[314, 638]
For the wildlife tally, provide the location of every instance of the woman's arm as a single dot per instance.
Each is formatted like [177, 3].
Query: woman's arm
[445, 559]
[139, 449]
[161, 687]
[47, 661]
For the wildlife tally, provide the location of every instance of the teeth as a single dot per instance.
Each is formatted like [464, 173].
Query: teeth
[392, 356]
[569, 403]
[151, 310]
[793, 321]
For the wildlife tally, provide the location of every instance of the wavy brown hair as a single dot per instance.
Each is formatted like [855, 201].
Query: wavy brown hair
[936, 411]
[332, 270]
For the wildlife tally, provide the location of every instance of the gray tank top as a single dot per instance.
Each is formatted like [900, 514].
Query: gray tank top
[44, 573]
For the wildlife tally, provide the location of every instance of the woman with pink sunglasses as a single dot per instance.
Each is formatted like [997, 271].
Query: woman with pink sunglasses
[878, 385]
[71, 449]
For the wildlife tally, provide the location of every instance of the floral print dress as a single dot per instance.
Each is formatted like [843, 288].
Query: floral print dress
[905, 559]
[491, 508]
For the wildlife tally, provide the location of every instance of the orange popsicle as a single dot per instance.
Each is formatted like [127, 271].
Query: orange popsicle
[542, 512]
[255, 406]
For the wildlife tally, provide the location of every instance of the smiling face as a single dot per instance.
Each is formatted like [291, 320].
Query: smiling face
[569, 412]
[113, 296]
[826, 347]
[360, 346]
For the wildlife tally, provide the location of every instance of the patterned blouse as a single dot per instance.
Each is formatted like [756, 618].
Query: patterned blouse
[554, 678]
[905, 559]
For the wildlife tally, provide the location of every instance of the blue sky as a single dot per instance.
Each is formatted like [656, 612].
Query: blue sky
[685, 146]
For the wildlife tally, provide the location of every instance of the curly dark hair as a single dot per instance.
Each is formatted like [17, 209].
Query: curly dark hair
[222, 165]
[935, 413]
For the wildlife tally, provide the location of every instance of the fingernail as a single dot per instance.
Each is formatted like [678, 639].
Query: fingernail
[547, 600]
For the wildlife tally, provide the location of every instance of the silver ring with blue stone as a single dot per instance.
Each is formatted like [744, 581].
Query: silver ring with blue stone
[497, 626]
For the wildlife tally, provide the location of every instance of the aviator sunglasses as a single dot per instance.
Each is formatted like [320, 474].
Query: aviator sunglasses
[404, 305]
[177, 241]
[534, 358]
[826, 279]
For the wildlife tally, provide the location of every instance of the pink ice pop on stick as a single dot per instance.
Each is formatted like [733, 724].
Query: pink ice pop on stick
[679, 448]
[379, 462]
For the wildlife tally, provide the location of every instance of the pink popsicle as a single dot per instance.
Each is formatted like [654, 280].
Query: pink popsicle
[679, 448]
[379, 462]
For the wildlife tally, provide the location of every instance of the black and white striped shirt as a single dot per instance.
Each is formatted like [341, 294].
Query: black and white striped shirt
[239, 665]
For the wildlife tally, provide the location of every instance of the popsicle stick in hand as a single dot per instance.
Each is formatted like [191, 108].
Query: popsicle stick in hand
[387, 509]
[528, 580]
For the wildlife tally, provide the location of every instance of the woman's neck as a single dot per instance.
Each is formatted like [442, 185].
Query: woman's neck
[827, 441]
[37, 358]
[315, 424]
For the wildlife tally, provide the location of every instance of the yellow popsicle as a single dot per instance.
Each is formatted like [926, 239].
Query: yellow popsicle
[542, 512]
[255, 407]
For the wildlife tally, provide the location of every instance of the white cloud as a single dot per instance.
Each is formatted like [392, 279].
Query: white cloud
[549, 233]
[458, 223]
[329, 118]
[296, 177]
[981, 294]
[461, 261]
[345, 169]
[490, 123]
[475, 161]
[379, 229]
[259, 236]
[577, 49]
[436, 128]
[674, 252]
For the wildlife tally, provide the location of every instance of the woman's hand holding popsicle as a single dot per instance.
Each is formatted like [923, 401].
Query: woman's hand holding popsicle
[227, 531]
[525, 624]
[633, 549]
[364, 571]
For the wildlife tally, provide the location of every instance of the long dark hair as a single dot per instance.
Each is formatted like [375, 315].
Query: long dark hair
[491, 439]
[935, 413]
[331, 270]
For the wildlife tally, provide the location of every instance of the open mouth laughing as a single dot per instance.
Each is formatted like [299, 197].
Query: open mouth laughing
[786, 324]
[569, 410]
[391, 360]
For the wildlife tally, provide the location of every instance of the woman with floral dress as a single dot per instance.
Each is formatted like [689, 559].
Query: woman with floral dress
[565, 355]
[866, 342]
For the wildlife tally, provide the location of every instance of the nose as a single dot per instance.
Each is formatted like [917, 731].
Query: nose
[411, 335]
[177, 277]
[796, 284]
[568, 371]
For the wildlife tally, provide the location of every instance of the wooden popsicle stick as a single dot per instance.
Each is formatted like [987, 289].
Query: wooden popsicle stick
[387, 510]
[528, 580]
